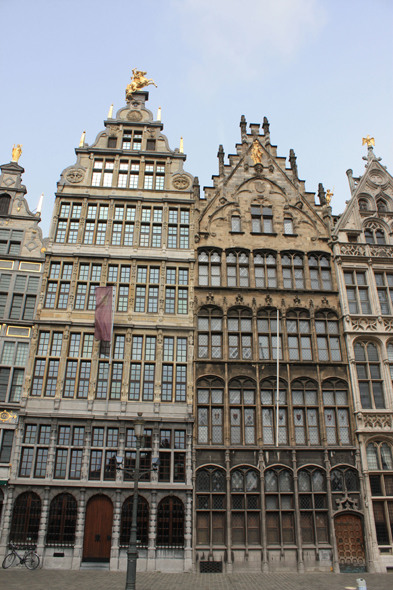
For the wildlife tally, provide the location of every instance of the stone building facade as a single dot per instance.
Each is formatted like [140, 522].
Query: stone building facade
[123, 216]
[264, 246]
[363, 248]
[21, 264]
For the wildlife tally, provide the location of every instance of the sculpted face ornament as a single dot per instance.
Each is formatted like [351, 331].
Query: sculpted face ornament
[75, 175]
[138, 81]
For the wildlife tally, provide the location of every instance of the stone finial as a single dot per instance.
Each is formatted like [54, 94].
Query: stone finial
[243, 126]
[266, 126]
[196, 187]
[220, 156]
[321, 194]
[292, 162]
[351, 180]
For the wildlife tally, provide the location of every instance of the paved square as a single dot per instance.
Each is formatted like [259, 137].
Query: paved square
[18, 579]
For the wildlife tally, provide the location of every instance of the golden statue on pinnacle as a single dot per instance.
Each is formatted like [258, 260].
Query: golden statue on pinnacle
[16, 152]
[138, 81]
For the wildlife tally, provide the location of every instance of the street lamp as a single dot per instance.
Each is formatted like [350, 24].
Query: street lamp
[132, 552]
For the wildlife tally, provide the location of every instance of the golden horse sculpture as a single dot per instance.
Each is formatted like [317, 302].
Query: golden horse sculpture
[138, 81]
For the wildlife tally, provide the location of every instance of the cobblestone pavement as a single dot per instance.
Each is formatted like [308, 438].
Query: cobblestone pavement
[18, 579]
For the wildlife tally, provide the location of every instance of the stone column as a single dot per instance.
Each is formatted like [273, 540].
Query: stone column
[86, 453]
[151, 550]
[228, 514]
[50, 466]
[7, 520]
[300, 562]
[45, 505]
[366, 506]
[115, 548]
[265, 561]
[79, 531]
[332, 534]
[188, 533]
[194, 518]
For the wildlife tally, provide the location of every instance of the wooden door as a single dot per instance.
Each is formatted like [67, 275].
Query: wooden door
[350, 543]
[98, 529]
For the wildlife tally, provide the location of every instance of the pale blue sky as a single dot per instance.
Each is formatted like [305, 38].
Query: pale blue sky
[321, 71]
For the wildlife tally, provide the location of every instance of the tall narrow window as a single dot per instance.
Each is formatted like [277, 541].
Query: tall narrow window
[357, 292]
[320, 272]
[265, 270]
[380, 464]
[279, 507]
[237, 269]
[336, 412]
[210, 399]
[328, 340]
[245, 507]
[299, 335]
[170, 523]
[292, 271]
[369, 375]
[269, 412]
[240, 334]
[313, 506]
[305, 412]
[210, 507]
[267, 334]
[235, 224]
[242, 411]
[210, 333]
[209, 267]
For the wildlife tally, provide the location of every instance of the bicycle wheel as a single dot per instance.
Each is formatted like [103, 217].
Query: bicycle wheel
[32, 561]
[9, 560]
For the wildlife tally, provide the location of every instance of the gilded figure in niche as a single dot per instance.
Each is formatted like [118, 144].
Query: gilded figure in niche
[16, 152]
[138, 81]
[256, 152]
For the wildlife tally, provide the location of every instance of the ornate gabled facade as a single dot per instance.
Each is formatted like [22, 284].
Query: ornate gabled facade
[363, 251]
[263, 246]
[123, 216]
[21, 263]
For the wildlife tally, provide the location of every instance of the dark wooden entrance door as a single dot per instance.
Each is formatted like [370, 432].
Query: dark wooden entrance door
[350, 543]
[98, 529]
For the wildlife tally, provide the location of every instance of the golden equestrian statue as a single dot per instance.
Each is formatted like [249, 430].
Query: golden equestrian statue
[369, 140]
[138, 81]
[256, 152]
[16, 152]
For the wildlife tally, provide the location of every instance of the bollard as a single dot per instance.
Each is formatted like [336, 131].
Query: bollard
[361, 584]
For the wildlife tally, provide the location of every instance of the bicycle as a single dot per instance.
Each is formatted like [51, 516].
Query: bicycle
[30, 559]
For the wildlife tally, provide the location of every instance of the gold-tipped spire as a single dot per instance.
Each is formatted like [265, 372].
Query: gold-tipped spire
[181, 149]
[159, 114]
[110, 114]
[16, 152]
[82, 141]
[369, 140]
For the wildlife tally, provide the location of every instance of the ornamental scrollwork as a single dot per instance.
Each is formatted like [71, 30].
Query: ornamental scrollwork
[377, 421]
[352, 250]
[369, 324]
[386, 251]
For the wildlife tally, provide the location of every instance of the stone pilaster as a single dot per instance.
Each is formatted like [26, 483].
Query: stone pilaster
[151, 550]
[7, 519]
[115, 547]
[45, 506]
[188, 533]
[79, 531]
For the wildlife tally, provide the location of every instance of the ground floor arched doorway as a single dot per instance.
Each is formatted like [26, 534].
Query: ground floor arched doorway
[98, 529]
[350, 543]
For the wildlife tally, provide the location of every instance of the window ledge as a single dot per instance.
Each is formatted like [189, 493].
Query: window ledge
[261, 233]
[291, 235]
[237, 232]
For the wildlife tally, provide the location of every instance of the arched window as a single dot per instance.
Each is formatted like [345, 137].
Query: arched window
[170, 523]
[382, 205]
[374, 234]
[363, 204]
[26, 519]
[237, 269]
[320, 273]
[292, 271]
[265, 270]
[305, 412]
[209, 265]
[142, 522]
[328, 341]
[5, 201]
[242, 411]
[210, 333]
[279, 507]
[235, 224]
[313, 506]
[240, 334]
[211, 506]
[62, 521]
[369, 375]
[299, 335]
[336, 411]
[245, 507]
[210, 397]
[269, 412]
[380, 458]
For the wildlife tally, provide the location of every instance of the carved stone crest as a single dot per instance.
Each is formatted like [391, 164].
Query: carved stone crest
[75, 176]
[134, 116]
[181, 182]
